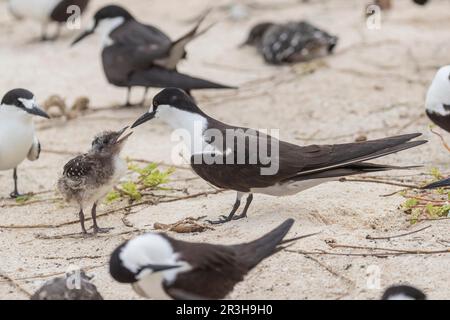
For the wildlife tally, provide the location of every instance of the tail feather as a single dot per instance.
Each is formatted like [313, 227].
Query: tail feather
[162, 78]
[375, 149]
[254, 252]
[177, 50]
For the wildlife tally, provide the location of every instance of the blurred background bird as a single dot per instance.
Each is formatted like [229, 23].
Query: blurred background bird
[139, 55]
[48, 12]
[290, 42]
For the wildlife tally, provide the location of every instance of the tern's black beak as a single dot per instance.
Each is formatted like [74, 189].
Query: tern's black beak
[121, 138]
[146, 117]
[82, 36]
[37, 111]
[244, 44]
[160, 267]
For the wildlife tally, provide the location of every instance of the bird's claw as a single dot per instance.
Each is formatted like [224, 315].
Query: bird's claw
[15, 195]
[239, 217]
[102, 230]
[222, 220]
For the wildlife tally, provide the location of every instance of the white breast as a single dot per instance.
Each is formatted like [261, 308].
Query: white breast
[16, 136]
[439, 92]
[152, 287]
[34, 9]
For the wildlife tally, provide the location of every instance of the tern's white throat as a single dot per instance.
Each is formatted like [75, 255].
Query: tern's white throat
[187, 125]
[439, 93]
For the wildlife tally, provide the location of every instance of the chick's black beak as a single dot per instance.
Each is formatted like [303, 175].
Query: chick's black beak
[82, 36]
[37, 111]
[146, 117]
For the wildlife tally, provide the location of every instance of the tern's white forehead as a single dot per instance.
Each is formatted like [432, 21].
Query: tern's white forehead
[28, 103]
[146, 249]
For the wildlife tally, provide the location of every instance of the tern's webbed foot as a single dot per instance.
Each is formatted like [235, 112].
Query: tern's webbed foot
[15, 195]
[241, 216]
[102, 230]
[222, 220]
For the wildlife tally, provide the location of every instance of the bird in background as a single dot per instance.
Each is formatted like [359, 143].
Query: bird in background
[387, 4]
[139, 55]
[403, 292]
[89, 177]
[18, 139]
[299, 167]
[47, 12]
[160, 267]
[75, 285]
[290, 42]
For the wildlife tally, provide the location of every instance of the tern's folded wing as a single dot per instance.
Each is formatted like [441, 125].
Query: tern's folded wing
[35, 150]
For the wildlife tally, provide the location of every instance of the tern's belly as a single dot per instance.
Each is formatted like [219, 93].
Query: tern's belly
[14, 146]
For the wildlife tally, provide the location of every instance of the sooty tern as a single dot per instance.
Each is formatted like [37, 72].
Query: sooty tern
[139, 55]
[47, 11]
[17, 135]
[89, 177]
[233, 166]
[290, 42]
[160, 267]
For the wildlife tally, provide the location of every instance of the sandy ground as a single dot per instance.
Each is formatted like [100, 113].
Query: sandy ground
[374, 86]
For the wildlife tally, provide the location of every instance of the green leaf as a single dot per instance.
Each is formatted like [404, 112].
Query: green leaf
[410, 203]
[436, 173]
[24, 198]
[112, 196]
[131, 189]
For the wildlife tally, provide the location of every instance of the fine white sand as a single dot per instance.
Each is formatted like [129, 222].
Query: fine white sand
[374, 86]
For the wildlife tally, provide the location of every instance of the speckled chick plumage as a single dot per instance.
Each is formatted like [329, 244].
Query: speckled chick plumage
[291, 42]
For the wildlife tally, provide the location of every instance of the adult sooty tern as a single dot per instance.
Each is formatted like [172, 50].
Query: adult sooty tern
[290, 42]
[47, 11]
[139, 55]
[299, 167]
[89, 177]
[17, 135]
[161, 267]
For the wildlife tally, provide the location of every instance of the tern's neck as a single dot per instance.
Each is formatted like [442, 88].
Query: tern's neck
[106, 27]
[13, 114]
[187, 125]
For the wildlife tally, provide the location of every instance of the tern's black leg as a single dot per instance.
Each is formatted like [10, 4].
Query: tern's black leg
[94, 220]
[57, 33]
[224, 219]
[128, 103]
[15, 194]
[247, 205]
[81, 214]
[144, 97]
[44, 32]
